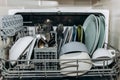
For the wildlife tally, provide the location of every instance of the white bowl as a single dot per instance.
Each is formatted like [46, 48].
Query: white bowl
[103, 53]
[19, 47]
[73, 47]
[66, 64]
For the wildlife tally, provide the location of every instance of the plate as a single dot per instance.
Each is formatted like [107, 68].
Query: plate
[97, 35]
[74, 33]
[69, 65]
[15, 44]
[70, 34]
[19, 47]
[102, 32]
[65, 35]
[31, 49]
[90, 28]
[80, 33]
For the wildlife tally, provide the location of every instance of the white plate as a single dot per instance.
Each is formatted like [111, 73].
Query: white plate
[65, 35]
[73, 47]
[19, 47]
[68, 65]
[31, 49]
[15, 44]
[90, 27]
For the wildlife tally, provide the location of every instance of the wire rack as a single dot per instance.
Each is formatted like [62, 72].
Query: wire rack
[51, 68]
[46, 64]
[45, 54]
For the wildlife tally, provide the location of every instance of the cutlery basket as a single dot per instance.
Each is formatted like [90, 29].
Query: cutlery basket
[43, 54]
[46, 53]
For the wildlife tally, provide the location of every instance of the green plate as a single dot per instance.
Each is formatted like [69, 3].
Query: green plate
[102, 32]
[97, 35]
[90, 27]
[80, 33]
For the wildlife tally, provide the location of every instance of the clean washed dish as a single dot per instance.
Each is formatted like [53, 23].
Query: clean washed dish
[70, 34]
[65, 35]
[102, 32]
[15, 44]
[69, 67]
[19, 47]
[80, 33]
[97, 35]
[73, 47]
[90, 28]
[31, 49]
[74, 33]
[103, 53]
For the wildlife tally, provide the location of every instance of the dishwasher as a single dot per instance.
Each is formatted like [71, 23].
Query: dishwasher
[52, 55]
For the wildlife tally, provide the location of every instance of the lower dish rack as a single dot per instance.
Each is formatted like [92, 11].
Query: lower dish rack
[29, 70]
[51, 68]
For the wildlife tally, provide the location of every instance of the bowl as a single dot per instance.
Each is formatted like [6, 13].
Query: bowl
[73, 47]
[101, 54]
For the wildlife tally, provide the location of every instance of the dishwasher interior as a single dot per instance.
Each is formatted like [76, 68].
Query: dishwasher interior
[43, 57]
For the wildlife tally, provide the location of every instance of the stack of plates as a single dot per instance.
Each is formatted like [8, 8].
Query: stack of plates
[69, 54]
[72, 34]
[94, 28]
